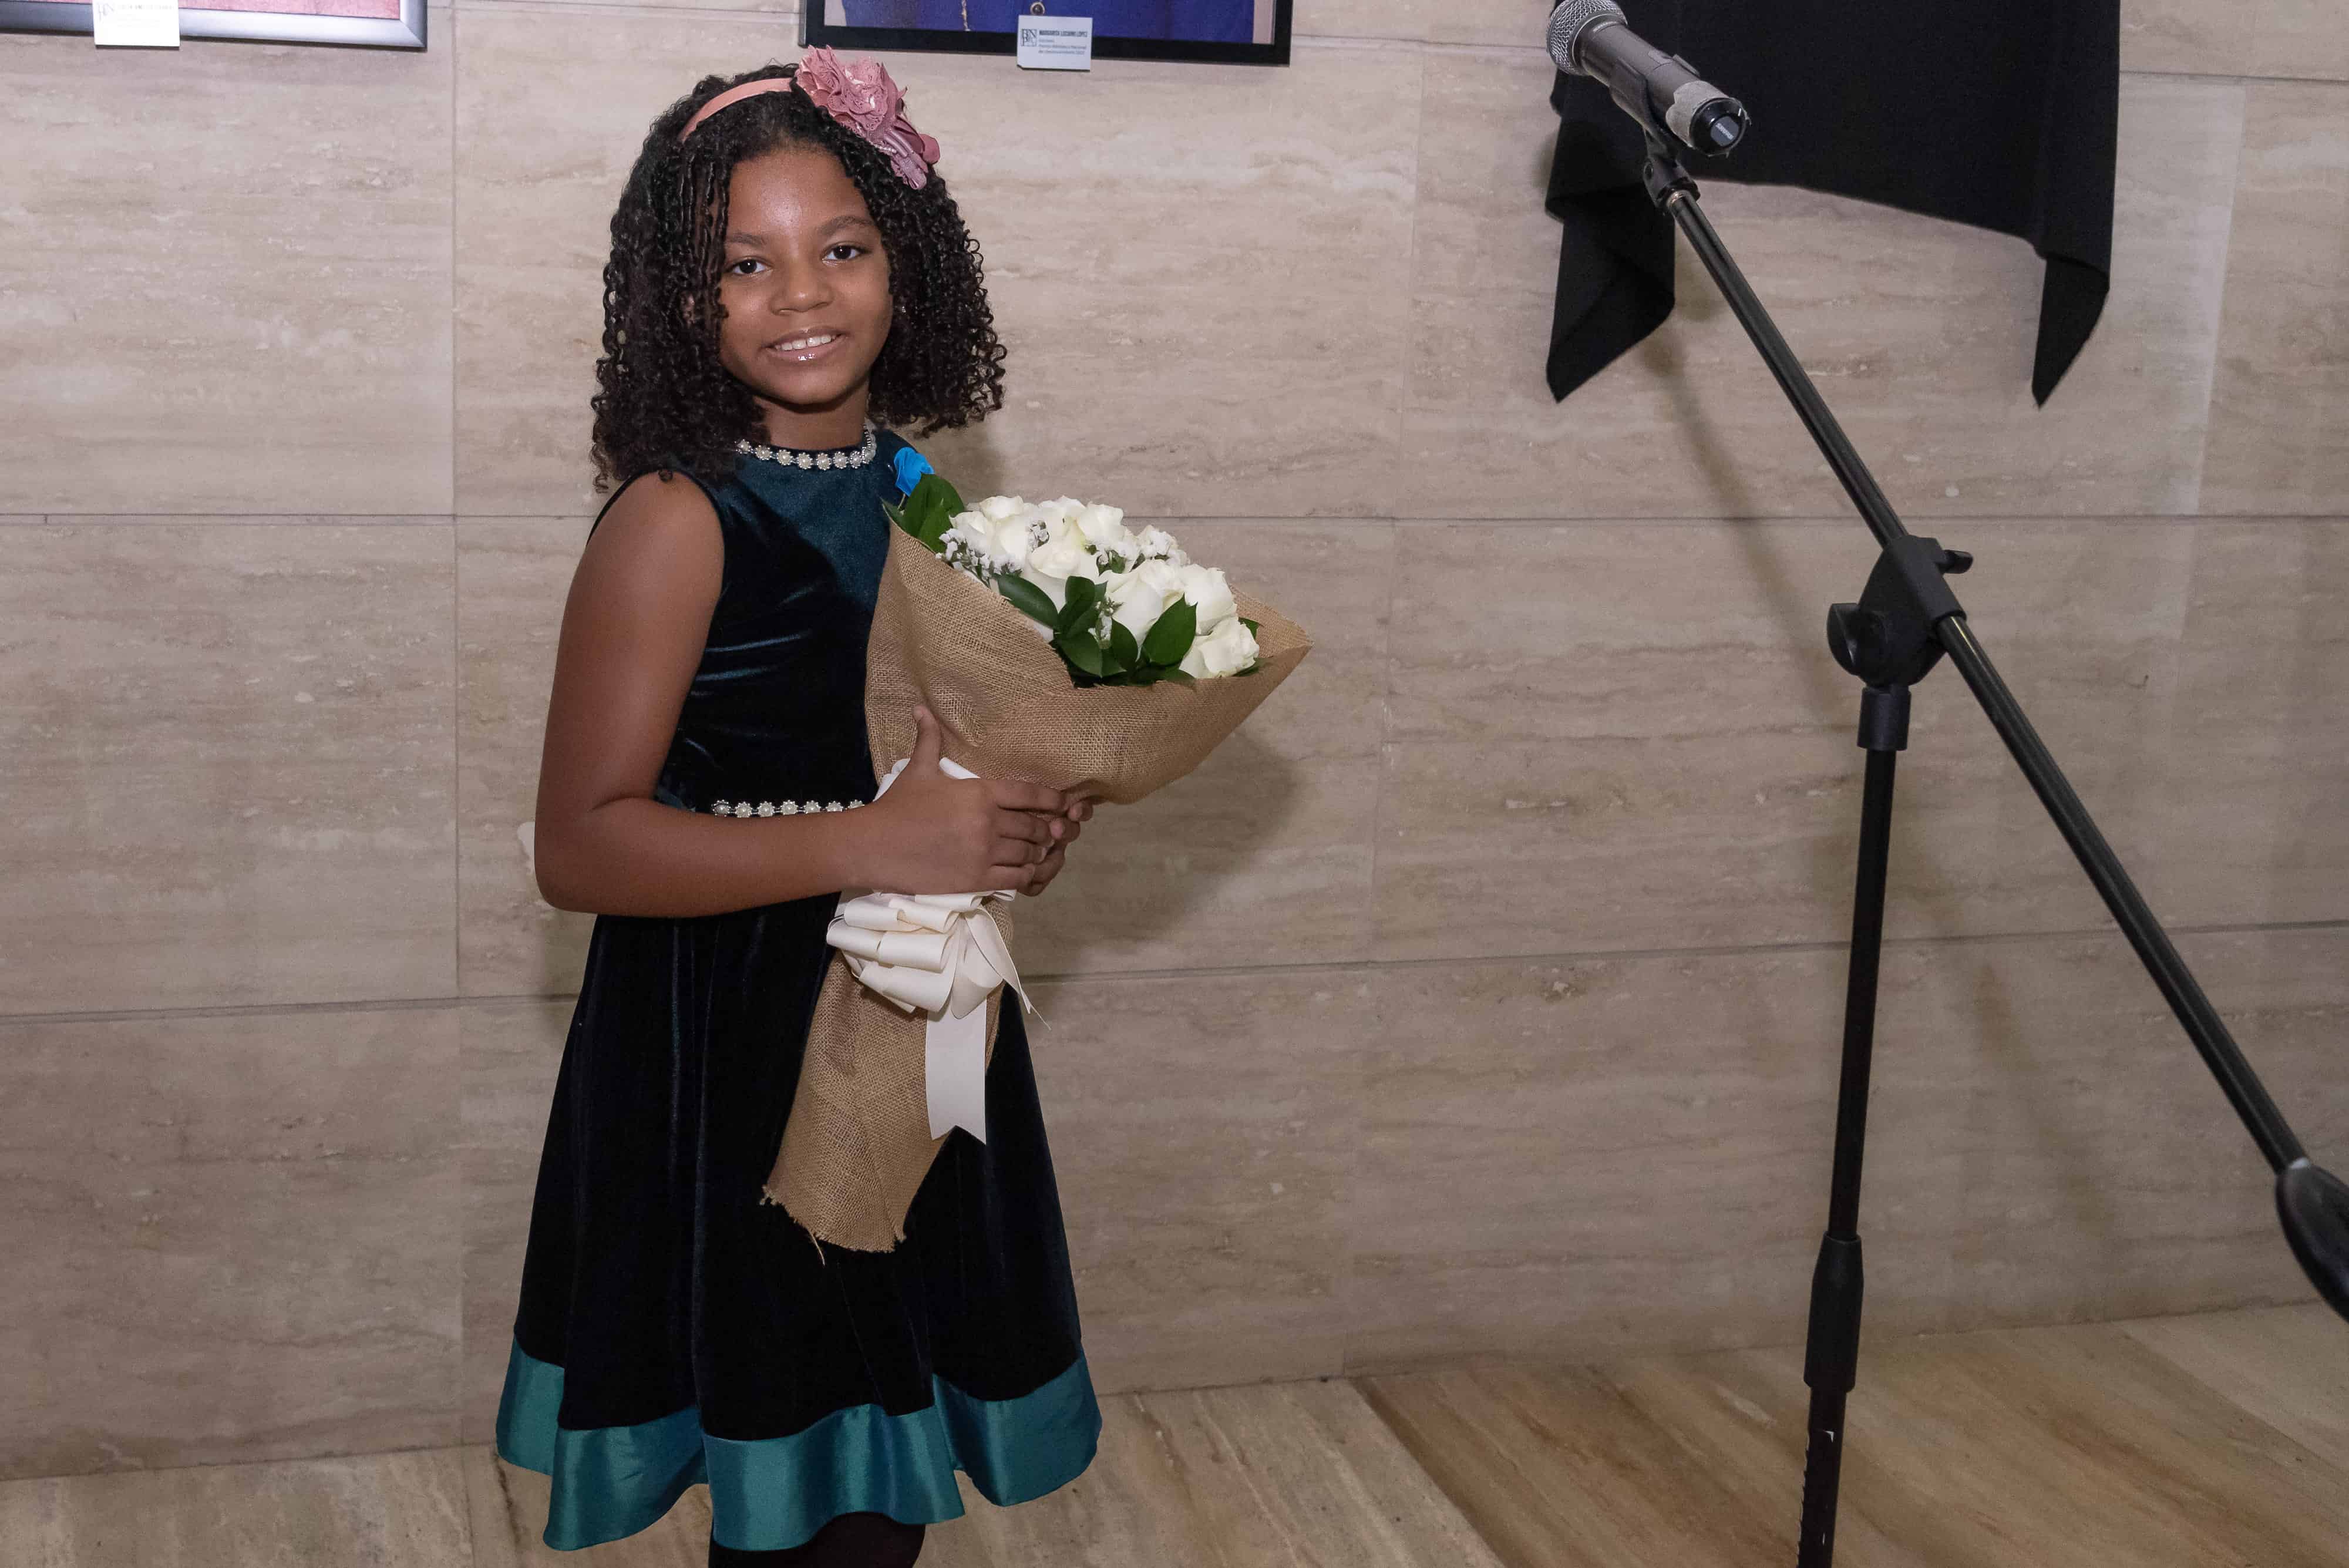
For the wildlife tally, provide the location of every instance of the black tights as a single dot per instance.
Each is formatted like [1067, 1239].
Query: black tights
[847, 1540]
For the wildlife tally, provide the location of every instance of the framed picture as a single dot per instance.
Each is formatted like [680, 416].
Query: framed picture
[377, 24]
[1246, 32]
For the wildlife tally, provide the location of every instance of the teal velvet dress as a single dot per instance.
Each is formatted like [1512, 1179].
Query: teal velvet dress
[673, 1328]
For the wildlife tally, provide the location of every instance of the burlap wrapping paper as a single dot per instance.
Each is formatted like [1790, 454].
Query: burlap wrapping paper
[857, 1143]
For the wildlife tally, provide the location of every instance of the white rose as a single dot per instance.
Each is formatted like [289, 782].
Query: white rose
[974, 532]
[998, 508]
[1158, 545]
[1015, 537]
[1104, 529]
[1228, 649]
[1061, 557]
[1210, 597]
[1138, 597]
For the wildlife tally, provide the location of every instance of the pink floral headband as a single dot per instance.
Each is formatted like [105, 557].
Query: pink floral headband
[859, 94]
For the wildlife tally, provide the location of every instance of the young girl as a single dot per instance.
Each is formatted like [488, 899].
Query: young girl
[787, 274]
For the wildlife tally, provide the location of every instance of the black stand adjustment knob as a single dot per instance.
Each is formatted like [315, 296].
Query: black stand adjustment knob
[1888, 638]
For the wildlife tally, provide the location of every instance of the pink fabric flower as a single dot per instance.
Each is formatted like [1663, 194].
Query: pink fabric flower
[860, 95]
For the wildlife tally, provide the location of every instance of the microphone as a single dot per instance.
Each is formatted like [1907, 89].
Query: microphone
[1661, 91]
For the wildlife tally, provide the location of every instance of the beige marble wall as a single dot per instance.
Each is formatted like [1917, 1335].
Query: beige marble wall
[226, 277]
[231, 1233]
[1480, 998]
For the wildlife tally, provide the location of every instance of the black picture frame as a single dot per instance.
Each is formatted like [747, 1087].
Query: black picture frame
[253, 27]
[815, 30]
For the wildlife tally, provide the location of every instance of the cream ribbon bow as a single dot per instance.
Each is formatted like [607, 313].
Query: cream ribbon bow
[939, 954]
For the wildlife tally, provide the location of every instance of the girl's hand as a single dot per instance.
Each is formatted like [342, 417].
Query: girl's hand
[962, 835]
[1065, 829]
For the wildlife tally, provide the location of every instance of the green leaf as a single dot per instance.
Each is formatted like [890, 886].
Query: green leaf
[929, 512]
[1149, 675]
[933, 497]
[1077, 614]
[1028, 599]
[1171, 636]
[1124, 653]
[1255, 628]
[1083, 652]
[949, 499]
[902, 516]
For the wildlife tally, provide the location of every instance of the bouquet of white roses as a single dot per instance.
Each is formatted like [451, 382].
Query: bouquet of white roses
[1122, 608]
[1144, 663]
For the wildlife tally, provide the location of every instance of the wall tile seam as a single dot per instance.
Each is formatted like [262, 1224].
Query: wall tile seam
[457, 668]
[1333, 967]
[457, 665]
[1916, 522]
[236, 519]
[234, 1010]
[1534, 47]
[1382, 784]
[631, 9]
[2206, 367]
[1731, 950]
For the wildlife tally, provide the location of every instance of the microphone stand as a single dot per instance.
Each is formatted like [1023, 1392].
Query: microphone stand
[1906, 619]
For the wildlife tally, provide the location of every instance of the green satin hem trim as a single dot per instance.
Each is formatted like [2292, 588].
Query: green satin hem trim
[775, 1492]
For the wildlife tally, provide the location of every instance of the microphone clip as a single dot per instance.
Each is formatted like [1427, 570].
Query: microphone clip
[1663, 173]
[1888, 638]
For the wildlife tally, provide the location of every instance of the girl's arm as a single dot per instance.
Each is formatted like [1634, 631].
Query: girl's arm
[633, 632]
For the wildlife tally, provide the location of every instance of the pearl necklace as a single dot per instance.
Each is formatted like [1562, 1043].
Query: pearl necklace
[793, 457]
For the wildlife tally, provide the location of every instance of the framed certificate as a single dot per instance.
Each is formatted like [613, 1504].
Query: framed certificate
[377, 24]
[1246, 32]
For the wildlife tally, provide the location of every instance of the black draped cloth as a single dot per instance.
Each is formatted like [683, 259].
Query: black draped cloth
[1999, 113]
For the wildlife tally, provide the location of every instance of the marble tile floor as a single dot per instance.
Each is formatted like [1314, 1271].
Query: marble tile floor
[2215, 1439]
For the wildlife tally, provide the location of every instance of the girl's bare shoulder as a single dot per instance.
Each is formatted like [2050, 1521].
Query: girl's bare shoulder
[660, 533]
[657, 501]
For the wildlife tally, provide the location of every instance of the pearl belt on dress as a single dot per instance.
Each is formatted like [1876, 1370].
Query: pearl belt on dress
[780, 807]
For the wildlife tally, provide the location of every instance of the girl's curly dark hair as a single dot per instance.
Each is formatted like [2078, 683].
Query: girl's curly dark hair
[662, 395]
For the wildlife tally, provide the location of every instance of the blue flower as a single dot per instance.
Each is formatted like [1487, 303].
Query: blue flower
[911, 465]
